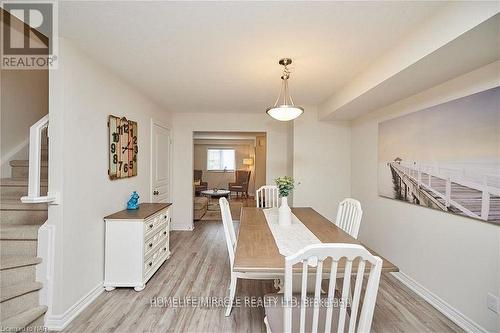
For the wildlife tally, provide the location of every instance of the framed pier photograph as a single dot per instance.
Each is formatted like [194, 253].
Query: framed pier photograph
[446, 157]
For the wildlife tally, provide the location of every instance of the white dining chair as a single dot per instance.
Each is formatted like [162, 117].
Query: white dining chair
[349, 216]
[267, 196]
[314, 313]
[230, 236]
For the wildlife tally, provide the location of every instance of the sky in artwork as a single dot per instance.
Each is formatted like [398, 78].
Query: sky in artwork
[463, 130]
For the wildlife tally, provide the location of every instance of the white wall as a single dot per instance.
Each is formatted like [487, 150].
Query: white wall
[185, 124]
[83, 94]
[456, 258]
[321, 162]
[24, 100]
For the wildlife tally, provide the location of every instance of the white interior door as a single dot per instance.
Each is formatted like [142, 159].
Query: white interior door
[160, 163]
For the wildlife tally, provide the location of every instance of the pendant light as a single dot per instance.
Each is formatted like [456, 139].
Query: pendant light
[284, 109]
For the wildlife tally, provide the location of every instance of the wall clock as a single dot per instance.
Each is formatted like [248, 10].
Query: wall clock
[123, 147]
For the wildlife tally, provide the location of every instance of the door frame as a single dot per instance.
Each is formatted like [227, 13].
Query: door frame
[154, 122]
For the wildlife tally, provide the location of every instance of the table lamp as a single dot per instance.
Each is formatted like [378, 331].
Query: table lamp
[248, 162]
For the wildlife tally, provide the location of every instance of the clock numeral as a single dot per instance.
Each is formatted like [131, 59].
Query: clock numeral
[123, 147]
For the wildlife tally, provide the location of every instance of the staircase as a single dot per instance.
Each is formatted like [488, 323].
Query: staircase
[19, 223]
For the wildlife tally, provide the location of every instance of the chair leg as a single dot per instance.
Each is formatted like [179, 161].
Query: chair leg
[232, 292]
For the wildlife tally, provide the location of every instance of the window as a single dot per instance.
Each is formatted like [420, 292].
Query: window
[220, 159]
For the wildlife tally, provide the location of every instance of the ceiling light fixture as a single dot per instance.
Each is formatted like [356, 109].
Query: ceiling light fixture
[284, 109]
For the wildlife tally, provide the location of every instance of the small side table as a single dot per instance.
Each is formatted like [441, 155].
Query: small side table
[221, 193]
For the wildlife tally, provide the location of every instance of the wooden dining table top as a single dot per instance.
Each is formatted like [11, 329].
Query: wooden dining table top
[256, 249]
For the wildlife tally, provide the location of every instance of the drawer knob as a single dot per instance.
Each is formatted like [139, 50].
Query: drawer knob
[151, 225]
[150, 244]
[164, 232]
[150, 264]
[165, 217]
[164, 249]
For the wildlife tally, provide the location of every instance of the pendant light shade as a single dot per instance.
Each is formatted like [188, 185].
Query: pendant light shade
[285, 112]
[284, 109]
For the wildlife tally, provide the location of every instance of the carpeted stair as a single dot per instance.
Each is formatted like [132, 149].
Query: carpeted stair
[19, 223]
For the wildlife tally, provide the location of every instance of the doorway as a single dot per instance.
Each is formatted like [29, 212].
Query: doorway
[229, 164]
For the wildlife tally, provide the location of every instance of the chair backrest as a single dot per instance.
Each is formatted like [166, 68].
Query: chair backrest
[349, 216]
[229, 233]
[316, 255]
[267, 196]
[242, 176]
[197, 175]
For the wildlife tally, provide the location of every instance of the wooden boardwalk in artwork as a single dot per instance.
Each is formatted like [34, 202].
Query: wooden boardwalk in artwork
[456, 194]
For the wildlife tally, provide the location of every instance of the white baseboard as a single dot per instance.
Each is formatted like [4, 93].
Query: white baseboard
[59, 322]
[449, 311]
[182, 227]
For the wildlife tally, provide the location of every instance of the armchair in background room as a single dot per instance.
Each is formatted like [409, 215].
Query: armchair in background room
[198, 183]
[241, 182]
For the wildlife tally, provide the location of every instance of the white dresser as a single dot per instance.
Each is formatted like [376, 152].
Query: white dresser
[137, 244]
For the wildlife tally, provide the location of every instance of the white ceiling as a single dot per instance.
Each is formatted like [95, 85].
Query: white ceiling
[475, 48]
[222, 56]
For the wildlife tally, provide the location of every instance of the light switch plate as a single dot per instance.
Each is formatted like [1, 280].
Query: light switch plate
[493, 303]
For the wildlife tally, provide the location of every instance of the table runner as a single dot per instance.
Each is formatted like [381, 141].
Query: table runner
[289, 239]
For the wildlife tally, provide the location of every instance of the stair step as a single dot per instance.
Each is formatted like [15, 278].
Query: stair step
[14, 247]
[17, 192]
[19, 289]
[23, 172]
[24, 274]
[15, 188]
[25, 318]
[21, 182]
[10, 262]
[19, 232]
[23, 217]
[25, 163]
[37, 325]
[16, 204]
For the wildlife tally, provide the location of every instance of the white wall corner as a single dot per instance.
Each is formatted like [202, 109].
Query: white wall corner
[59, 322]
[441, 305]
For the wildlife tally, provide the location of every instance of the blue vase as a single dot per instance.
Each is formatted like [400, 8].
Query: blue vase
[133, 202]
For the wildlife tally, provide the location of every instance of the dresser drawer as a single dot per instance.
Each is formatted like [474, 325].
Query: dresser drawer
[155, 239]
[157, 258]
[154, 222]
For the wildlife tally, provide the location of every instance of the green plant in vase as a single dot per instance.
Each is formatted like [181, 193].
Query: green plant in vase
[285, 186]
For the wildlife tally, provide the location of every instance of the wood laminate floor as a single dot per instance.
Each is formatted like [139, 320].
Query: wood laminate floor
[199, 267]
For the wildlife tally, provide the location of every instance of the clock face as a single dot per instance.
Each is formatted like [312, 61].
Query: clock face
[123, 148]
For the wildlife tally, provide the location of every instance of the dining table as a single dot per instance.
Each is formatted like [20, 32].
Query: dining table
[257, 252]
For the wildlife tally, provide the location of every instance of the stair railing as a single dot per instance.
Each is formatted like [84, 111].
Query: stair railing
[35, 154]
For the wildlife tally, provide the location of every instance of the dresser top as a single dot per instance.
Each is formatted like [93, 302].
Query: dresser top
[145, 210]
